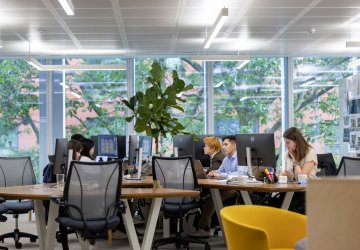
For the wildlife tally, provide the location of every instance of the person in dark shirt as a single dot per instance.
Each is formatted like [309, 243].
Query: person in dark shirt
[213, 148]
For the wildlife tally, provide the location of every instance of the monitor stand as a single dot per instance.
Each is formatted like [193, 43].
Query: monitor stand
[138, 174]
[248, 160]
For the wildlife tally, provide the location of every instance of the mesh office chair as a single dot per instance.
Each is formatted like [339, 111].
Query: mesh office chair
[178, 173]
[349, 166]
[326, 165]
[3, 218]
[17, 171]
[92, 198]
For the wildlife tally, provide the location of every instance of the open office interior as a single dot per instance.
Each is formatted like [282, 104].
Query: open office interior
[269, 66]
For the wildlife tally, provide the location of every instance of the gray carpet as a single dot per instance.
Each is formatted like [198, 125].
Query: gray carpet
[216, 243]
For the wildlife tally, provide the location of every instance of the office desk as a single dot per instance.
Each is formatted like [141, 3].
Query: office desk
[40, 192]
[216, 185]
[147, 181]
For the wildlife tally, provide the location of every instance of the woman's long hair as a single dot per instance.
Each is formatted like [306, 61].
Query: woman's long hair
[302, 146]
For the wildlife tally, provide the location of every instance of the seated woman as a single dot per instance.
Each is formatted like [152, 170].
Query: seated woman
[213, 148]
[300, 158]
[88, 149]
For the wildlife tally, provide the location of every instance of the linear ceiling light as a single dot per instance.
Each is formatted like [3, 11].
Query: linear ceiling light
[1, 43]
[43, 67]
[221, 58]
[31, 60]
[354, 63]
[220, 20]
[67, 6]
[242, 64]
[353, 44]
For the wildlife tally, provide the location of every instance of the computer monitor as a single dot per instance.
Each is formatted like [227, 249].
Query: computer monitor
[121, 146]
[184, 144]
[145, 142]
[262, 149]
[107, 145]
[60, 158]
[94, 139]
[133, 147]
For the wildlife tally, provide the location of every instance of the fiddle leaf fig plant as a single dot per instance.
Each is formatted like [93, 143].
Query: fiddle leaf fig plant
[151, 109]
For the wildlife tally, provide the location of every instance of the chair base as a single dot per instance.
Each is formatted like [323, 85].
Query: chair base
[16, 235]
[179, 241]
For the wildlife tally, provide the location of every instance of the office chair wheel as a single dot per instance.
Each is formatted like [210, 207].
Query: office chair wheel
[178, 245]
[2, 240]
[33, 239]
[207, 247]
[18, 245]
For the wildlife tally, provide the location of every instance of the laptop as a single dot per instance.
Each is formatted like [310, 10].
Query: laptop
[200, 172]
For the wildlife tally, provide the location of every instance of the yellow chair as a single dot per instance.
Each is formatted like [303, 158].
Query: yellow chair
[250, 227]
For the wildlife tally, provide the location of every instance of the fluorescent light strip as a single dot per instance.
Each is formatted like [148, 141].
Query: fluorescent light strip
[1, 44]
[42, 67]
[354, 63]
[353, 44]
[64, 85]
[221, 57]
[67, 6]
[75, 94]
[30, 60]
[220, 20]
[242, 64]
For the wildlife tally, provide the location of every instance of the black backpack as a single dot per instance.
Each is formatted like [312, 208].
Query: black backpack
[48, 174]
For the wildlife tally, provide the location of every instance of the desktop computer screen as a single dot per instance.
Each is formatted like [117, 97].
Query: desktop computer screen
[184, 144]
[133, 147]
[262, 149]
[145, 142]
[107, 145]
[60, 158]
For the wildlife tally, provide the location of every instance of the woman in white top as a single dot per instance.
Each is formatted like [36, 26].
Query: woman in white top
[300, 157]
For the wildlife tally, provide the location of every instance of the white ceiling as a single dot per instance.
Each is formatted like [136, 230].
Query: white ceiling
[179, 27]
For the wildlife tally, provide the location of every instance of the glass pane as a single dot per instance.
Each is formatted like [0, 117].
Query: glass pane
[316, 99]
[19, 111]
[93, 99]
[248, 100]
[193, 117]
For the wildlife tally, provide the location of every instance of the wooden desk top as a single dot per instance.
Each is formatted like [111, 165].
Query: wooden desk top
[147, 181]
[253, 187]
[48, 190]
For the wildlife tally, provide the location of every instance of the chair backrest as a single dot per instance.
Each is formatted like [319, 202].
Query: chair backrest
[94, 188]
[175, 172]
[349, 166]
[16, 171]
[261, 227]
[326, 165]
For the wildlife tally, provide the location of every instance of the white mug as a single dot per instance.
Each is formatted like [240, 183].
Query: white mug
[302, 178]
[282, 179]
[242, 179]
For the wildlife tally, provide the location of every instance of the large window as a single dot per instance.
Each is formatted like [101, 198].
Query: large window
[248, 100]
[192, 73]
[19, 110]
[316, 99]
[93, 99]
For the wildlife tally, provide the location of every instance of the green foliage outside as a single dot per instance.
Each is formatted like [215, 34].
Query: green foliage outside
[19, 97]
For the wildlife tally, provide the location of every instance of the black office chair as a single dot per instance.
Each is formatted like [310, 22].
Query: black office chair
[349, 166]
[92, 198]
[178, 173]
[17, 171]
[326, 164]
[3, 218]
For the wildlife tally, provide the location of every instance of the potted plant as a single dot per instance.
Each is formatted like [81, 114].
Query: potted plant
[151, 109]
